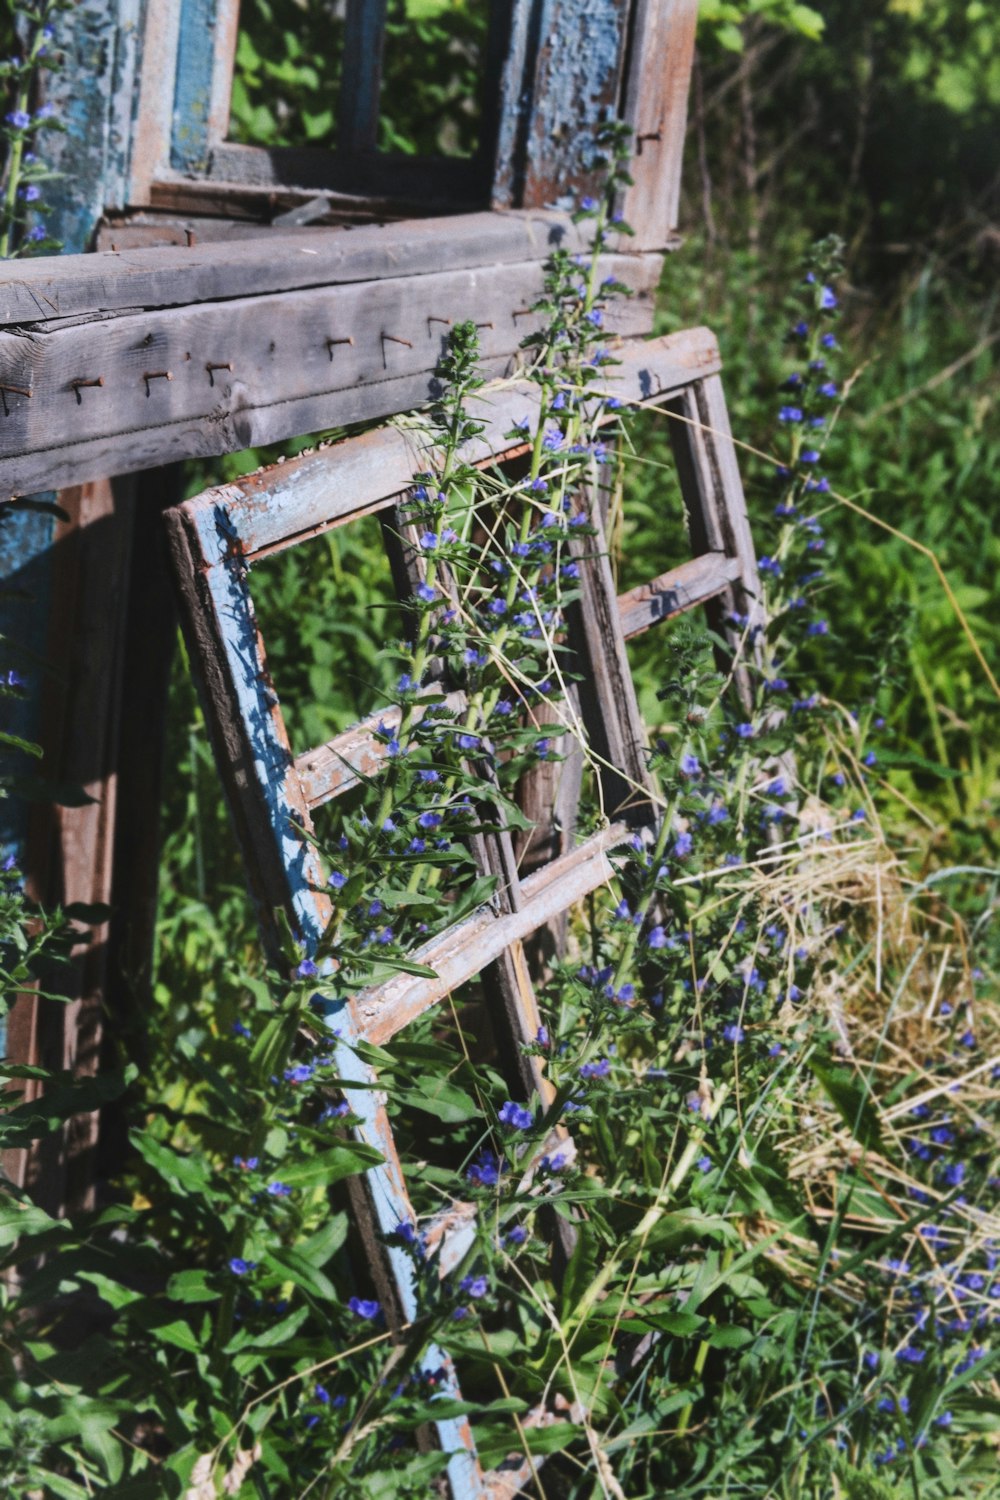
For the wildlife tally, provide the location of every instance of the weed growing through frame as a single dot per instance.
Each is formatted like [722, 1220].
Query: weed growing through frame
[737, 1103]
[22, 207]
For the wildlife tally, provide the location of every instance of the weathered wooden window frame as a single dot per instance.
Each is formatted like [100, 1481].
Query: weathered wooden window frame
[183, 162]
[214, 540]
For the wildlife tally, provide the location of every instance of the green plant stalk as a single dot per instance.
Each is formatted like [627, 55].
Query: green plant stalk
[16, 158]
[698, 1369]
[237, 1243]
[646, 1224]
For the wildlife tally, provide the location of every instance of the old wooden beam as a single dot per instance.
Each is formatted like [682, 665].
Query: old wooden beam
[65, 286]
[127, 392]
[283, 505]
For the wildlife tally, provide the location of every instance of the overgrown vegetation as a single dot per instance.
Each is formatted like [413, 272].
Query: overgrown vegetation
[774, 1036]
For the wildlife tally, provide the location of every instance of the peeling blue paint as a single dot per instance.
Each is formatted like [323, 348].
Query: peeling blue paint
[94, 95]
[562, 78]
[189, 146]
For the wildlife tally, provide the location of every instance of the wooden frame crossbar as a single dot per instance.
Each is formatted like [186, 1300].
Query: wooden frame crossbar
[272, 793]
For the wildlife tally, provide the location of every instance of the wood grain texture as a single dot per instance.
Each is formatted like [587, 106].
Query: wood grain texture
[561, 78]
[71, 285]
[92, 95]
[166, 373]
[336, 767]
[157, 76]
[608, 703]
[272, 817]
[654, 103]
[717, 519]
[206, 46]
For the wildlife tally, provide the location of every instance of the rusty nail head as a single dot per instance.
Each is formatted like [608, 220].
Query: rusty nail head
[80, 384]
[393, 339]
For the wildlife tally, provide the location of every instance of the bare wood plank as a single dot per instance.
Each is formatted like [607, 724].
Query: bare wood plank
[212, 367]
[147, 231]
[333, 768]
[258, 203]
[282, 505]
[716, 509]
[661, 51]
[461, 952]
[675, 591]
[86, 645]
[726, 471]
[65, 285]
[361, 75]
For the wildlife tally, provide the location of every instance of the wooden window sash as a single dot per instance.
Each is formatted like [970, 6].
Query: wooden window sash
[272, 793]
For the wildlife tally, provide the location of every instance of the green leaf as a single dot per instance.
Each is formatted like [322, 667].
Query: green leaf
[494, 1445]
[110, 1291]
[680, 1228]
[909, 760]
[278, 1333]
[16, 743]
[331, 1166]
[290, 1265]
[175, 1332]
[394, 900]
[191, 1286]
[847, 1092]
[185, 1174]
[727, 1336]
[580, 1271]
[444, 1100]
[20, 1222]
[326, 1241]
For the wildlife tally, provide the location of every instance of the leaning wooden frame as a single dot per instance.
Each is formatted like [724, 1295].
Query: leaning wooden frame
[273, 793]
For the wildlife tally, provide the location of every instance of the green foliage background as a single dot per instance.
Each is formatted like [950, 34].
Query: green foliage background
[876, 120]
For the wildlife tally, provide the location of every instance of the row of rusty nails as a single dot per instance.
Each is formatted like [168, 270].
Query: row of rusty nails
[82, 383]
